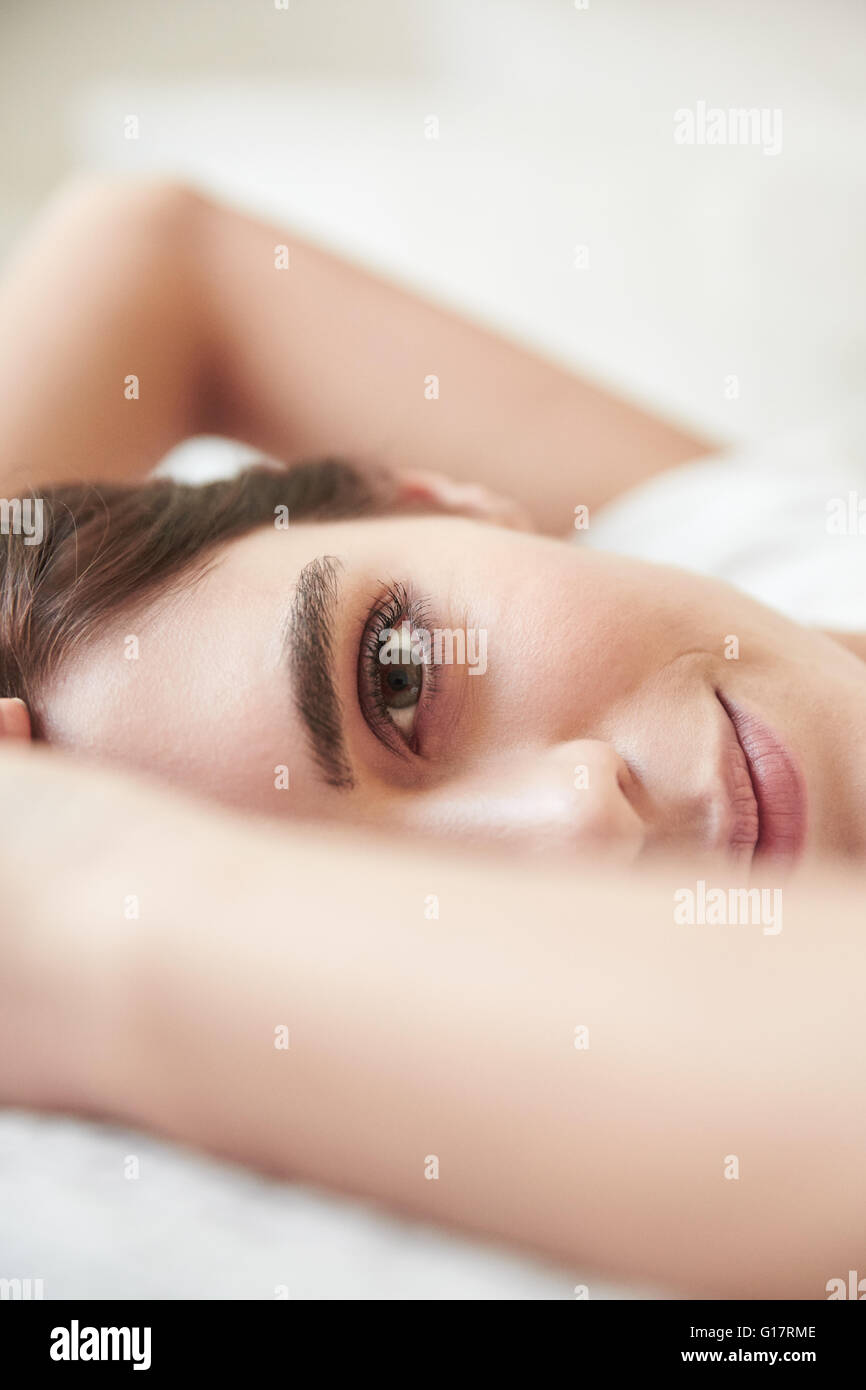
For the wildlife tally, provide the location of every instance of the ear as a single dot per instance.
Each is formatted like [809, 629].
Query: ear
[14, 719]
[419, 491]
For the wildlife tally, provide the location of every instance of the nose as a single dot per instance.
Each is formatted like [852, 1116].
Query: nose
[605, 817]
[573, 797]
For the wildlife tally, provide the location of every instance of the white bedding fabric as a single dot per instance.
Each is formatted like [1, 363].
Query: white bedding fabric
[762, 519]
[189, 1227]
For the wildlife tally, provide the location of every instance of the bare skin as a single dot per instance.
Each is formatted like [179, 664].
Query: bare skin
[620, 1164]
[411, 1036]
[319, 358]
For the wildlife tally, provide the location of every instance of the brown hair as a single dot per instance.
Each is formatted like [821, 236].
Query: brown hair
[106, 548]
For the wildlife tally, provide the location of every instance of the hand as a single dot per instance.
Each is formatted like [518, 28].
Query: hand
[424, 491]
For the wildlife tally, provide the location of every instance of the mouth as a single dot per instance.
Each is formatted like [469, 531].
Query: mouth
[777, 785]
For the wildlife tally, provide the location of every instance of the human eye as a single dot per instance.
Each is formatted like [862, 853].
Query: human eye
[394, 672]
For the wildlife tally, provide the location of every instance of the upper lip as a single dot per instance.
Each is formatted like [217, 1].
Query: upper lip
[768, 817]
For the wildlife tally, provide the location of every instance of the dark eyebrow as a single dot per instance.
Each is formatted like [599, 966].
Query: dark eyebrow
[308, 650]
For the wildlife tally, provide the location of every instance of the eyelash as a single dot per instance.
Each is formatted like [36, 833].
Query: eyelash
[395, 606]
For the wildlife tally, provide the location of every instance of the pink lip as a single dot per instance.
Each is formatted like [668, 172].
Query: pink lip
[778, 786]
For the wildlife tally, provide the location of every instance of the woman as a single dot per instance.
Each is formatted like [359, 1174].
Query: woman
[437, 1005]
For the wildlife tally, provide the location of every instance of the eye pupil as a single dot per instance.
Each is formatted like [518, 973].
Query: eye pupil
[401, 686]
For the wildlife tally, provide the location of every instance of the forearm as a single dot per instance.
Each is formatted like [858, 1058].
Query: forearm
[454, 1037]
[140, 314]
[318, 356]
[103, 362]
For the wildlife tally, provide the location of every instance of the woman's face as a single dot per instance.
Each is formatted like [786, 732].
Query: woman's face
[561, 699]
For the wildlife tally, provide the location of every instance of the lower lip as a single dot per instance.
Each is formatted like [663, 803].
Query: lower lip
[779, 788]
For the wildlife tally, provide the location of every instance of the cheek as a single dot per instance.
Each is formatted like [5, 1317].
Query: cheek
[572, 651]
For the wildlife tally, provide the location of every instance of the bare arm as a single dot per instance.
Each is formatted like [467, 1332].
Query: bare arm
[157, 282]
[453, 1037]
[103, 290]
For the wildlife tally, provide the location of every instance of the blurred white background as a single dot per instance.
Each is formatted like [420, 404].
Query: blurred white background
[555, 130]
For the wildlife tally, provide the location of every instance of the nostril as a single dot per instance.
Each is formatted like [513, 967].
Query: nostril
[626, 778]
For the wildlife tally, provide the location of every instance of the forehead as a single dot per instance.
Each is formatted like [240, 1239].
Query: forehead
[172, 683]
